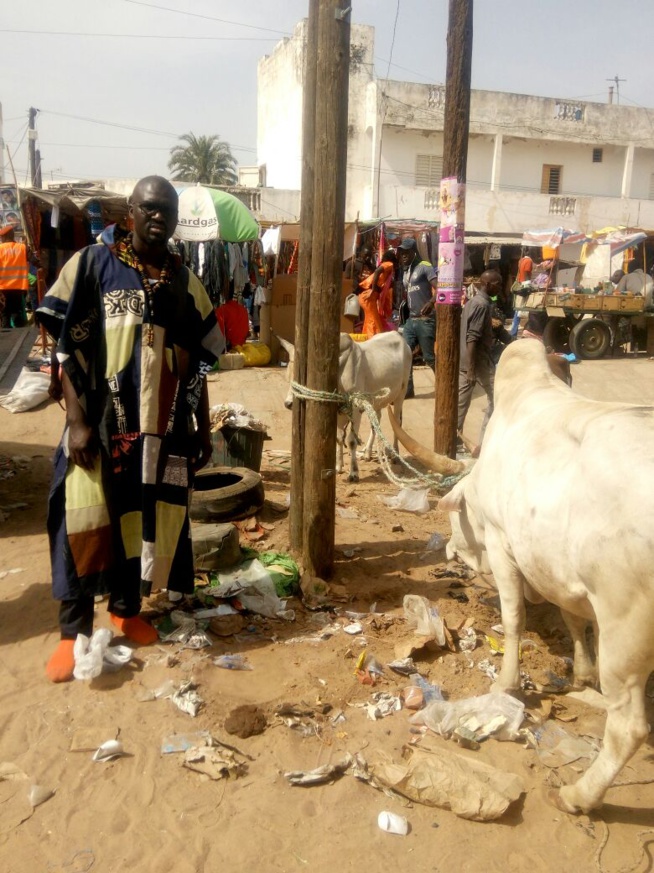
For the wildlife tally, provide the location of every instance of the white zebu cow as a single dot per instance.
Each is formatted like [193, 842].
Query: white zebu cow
[561, 505]
[382, 363]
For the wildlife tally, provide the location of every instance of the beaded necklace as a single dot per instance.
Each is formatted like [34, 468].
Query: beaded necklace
[149, 287]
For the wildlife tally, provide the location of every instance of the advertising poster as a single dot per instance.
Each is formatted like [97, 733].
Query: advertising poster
[451, 249]
[9, 209]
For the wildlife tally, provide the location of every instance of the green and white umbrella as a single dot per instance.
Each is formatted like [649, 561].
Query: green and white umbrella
[208, 213]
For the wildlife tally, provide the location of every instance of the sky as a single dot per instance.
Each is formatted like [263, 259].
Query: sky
[151, 74]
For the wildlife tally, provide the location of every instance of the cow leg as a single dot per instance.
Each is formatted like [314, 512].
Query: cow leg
[625, 667]
[353, 442]
[510, 586]
[340, 443]
[397, 411]
[585, 671]
[367, 452]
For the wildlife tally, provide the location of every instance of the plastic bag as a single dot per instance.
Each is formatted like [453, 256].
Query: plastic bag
[421, 615]
[94, 654]
[253, 586]
[409, 500]
[255, 354]
[30, 390]
[495, 714]
[351, 306]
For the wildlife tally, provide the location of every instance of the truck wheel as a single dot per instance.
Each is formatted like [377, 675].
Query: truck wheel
[590, 339]
[556, 335]
[226, 494]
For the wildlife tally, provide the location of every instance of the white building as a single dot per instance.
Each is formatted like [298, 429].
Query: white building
[532, 161]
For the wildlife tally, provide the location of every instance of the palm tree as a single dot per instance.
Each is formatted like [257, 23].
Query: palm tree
[204, 159]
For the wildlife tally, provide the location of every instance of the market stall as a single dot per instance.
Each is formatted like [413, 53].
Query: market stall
[218, 238]
[581, 312]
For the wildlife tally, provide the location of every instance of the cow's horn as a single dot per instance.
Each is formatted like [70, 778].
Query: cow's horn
[438, 463]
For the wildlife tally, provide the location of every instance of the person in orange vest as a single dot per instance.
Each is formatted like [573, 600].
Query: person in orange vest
[14, 278]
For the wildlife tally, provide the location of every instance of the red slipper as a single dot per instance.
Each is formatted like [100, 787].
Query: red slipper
[62, 662]
[135, 629]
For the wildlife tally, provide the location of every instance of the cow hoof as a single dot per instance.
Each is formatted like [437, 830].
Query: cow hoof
[353, 477]
[554, 797]
[590, 681]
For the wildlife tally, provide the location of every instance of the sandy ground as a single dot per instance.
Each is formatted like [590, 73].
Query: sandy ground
[145, 812]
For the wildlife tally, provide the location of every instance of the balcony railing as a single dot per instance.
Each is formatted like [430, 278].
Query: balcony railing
[563, 205]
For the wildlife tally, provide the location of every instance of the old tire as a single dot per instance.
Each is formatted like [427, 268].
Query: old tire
[556, 335]
[590, 339]
[226, 494]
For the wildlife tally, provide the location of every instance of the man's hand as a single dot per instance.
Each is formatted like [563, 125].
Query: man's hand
[428, 308]
[82, 445]
[471, 376]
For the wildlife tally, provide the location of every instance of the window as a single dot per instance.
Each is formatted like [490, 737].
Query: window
[597, 156]
[429, 169]
[551, 180]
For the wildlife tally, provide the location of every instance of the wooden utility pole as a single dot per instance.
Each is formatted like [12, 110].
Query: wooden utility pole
[304, 275]
[323, 338]
[31, 139]
[455, 154]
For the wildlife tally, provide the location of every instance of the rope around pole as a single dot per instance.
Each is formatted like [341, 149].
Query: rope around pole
[347, 403]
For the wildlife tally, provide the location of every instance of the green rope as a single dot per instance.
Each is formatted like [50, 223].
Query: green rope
[347, 403]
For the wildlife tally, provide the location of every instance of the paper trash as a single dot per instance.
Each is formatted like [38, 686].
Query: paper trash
[448, 780]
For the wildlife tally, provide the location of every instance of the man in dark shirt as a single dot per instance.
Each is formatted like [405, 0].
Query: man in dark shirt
[476, 360]
[420, 326]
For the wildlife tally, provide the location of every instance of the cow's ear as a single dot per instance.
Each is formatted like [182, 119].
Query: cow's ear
[454, 501]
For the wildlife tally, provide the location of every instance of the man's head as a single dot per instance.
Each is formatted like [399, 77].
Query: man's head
[615, 278]
[491, 283]
[153, 208]
[7, 233]
[407, 251]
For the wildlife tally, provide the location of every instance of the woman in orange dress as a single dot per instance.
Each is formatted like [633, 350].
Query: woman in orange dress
[376, 295]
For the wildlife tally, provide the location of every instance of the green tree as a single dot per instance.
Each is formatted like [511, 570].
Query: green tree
[204, 159]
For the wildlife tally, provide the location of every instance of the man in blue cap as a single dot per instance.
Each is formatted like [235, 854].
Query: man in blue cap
[420, 326]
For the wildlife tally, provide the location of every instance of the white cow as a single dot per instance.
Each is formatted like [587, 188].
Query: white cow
[380, 364]
[561, 505]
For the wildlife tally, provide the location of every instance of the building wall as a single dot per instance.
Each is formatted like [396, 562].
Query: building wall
[513, 212]
[279, 111]
[642, 180]
[535, 131]
[522, 167]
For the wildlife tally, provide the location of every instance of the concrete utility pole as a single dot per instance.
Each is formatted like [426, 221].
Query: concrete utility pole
[304, 275]
[617, 81]
[455, 154]
[332, 78]
[31, 137]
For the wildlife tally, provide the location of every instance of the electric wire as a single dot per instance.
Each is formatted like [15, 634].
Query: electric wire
[206, 17]
[141, 35]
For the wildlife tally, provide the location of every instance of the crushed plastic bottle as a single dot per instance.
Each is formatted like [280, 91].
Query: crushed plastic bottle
[429, 692]
[232, 662]
[435, 543]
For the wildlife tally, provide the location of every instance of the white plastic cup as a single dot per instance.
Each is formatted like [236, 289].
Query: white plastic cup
[393, 824]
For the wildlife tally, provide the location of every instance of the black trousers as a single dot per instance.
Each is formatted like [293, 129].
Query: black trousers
[76, 616]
